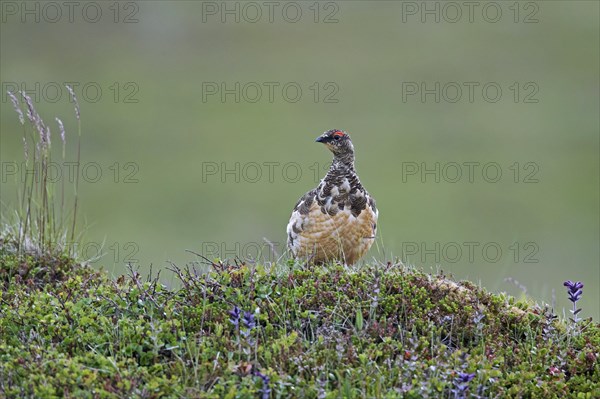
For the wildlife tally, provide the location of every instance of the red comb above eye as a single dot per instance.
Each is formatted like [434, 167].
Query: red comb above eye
[338, 133]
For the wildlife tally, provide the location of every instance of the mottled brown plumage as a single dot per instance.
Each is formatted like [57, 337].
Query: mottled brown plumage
[338, 219]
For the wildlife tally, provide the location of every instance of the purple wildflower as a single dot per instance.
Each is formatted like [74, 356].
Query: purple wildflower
[249, 323]
[265, 391]
[465, 377]
[461, 384]
[575, 290]
[249, 320]
[235, 316]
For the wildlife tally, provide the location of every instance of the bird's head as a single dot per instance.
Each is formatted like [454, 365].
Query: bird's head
[339, 143]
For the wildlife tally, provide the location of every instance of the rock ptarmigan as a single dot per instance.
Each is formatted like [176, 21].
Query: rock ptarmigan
[337, 221]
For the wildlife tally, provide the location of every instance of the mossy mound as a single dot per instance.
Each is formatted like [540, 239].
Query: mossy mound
[245, 332]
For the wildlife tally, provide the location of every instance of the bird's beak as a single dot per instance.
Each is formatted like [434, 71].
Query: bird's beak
[322, 139]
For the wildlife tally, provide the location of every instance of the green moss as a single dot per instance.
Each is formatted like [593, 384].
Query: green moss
[70, 331]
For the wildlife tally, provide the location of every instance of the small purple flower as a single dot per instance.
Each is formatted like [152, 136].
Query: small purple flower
[266, 389]
[461, 384]
[235, 316]
[249, 323]
[249, 320]
[575, 290]
[465, 377]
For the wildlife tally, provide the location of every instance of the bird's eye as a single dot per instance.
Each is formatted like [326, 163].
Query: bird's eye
[337, 137]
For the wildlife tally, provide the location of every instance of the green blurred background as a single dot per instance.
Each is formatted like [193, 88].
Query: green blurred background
[157, 124]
